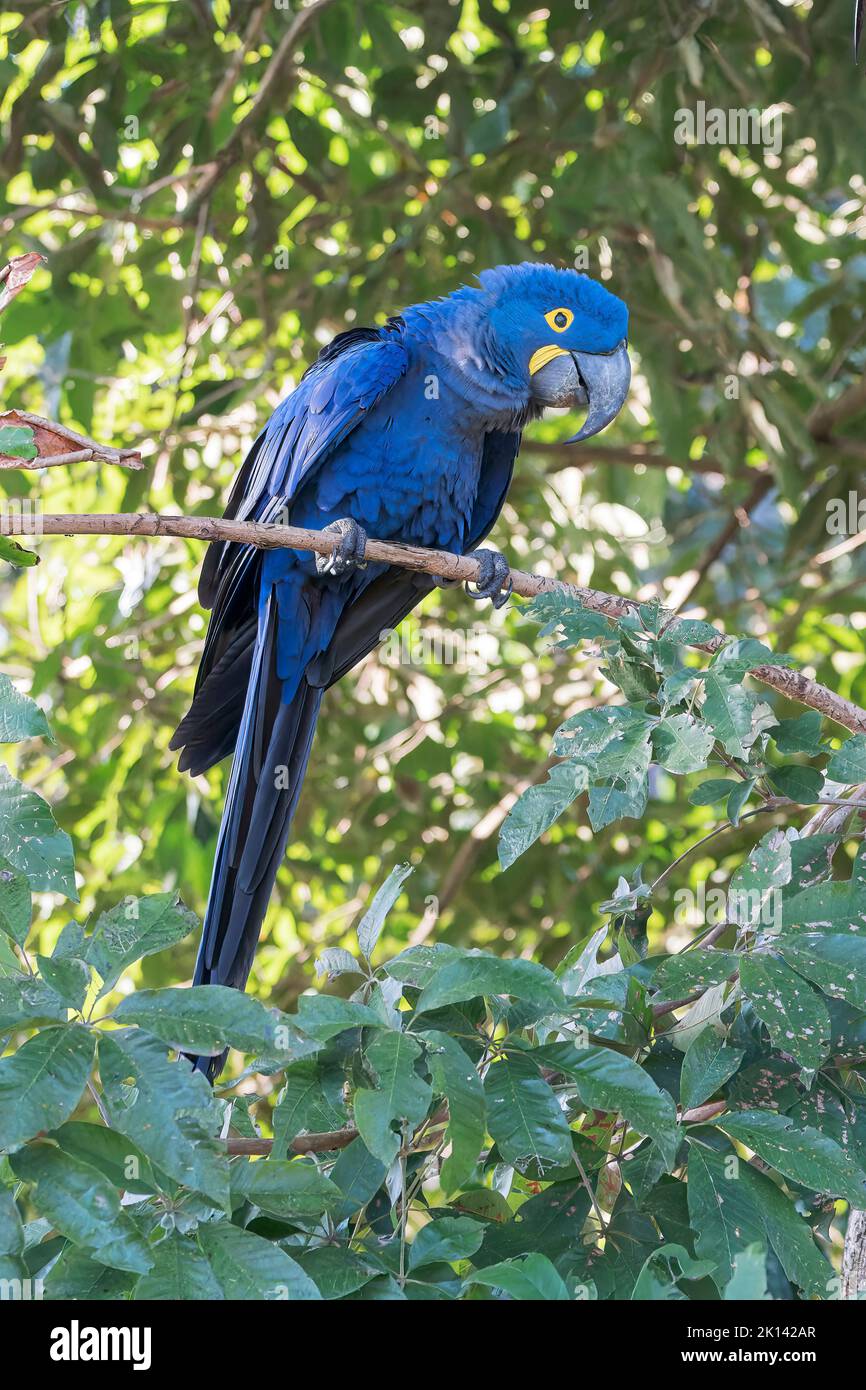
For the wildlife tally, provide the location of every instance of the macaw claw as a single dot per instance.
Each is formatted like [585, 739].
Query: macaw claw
[350, 551]
[494, 577]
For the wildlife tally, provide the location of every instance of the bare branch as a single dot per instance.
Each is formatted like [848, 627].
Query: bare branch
[793, 684]
[303, 1144]
[58, 444]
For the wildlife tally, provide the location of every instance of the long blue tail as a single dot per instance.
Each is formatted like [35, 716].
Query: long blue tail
[271, 756]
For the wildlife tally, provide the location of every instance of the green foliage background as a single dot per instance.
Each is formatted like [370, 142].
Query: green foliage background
[206, 231]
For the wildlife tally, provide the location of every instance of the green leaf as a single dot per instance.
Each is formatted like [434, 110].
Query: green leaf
[247, 1267]
[335, 961]
[181, 1272]
[15, 554]
[26, 1001]
[20, 717]
[586, 736]
[832, 961]
[733, 1207]
[800, 1153]
[531, 1278]
[794, 1014]
[753, 897]
[624, 796]
[707, 1065]
[204, 1019]
[738, 798]
[649, 1285]
[848, 763]
[477, 974]
[83, 1206]
[400, 1099]
[830, 906]
[292, 1189]
[748, 1282]
[336, 1271]
[113, 1153]
[537, 809]
[679, 976]
[418, 964]
[133, 929]
[742, 654]
[682, 744]
[606, 1080]
[18, 442]
[359, 1175]
[800, 735]
[524, 1116]
[448, 1239]
[371, 924]
[455, 1077]
[324, 1016]
[728, 709]
[31, 841]
[713, 790]
[689, 632]
[75, 1276]
[167, 1109]
[42, 1083]
[11, 1229]
[69, 978]
[311, 1101]
[799, 783]
[15, 904]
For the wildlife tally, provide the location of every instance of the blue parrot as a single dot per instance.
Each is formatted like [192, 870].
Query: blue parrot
[409, 432]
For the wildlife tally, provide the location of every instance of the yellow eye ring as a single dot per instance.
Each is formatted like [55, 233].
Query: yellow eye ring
[559, 319]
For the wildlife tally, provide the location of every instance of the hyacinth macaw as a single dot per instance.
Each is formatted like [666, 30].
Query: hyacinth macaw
[408, 432]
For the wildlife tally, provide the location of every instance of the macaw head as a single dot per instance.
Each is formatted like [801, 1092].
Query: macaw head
[562, 336]
[530, 336]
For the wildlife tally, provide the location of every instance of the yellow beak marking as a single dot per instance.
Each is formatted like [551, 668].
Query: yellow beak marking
[543, 355]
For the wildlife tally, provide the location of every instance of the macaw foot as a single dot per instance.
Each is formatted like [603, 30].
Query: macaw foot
[349, 553]
[494, 577]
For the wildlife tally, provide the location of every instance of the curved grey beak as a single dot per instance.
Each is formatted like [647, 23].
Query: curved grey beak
[605, 379]
[599, 381]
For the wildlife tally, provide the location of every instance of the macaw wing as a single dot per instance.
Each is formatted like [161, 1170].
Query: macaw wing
[343, 385]
[386, 601]
[341, 388]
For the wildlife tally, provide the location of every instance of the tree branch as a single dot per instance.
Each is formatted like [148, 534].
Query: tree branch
[792, 684]
[303, 1144]
[56, 444]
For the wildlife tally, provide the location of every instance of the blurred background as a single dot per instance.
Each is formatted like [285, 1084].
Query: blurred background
[218, 188]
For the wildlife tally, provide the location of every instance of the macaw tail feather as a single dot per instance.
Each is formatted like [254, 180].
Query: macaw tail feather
[271, 756]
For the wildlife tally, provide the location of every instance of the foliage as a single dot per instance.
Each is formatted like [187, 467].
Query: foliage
[410, 146]
[210, 213]
[487, 1127]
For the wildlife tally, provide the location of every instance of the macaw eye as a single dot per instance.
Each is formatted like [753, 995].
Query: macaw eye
[559, 319]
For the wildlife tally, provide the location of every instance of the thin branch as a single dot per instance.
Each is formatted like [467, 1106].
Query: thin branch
[57, 444]
[442, 564]
[303, 1144]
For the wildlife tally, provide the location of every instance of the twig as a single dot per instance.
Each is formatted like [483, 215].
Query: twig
[57, 444]
[793, 684]
[303, 1144]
